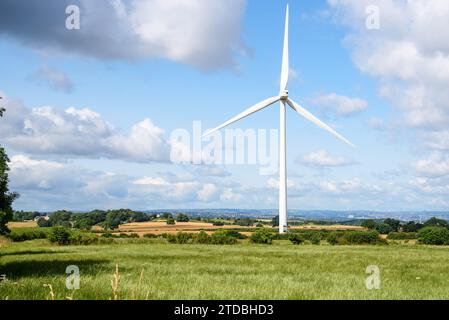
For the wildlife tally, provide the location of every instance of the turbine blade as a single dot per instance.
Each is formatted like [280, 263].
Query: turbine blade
[285, 57]
[306, 114]
[244, 114]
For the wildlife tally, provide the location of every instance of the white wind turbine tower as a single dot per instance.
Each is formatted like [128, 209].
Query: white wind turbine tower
[284, 100]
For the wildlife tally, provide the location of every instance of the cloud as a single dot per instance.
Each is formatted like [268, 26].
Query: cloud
[57, 80]
[340, 105]
[322, 159]
[74, 133]
[202, 33]
[437, 165]
[207, 192]
[408, 55]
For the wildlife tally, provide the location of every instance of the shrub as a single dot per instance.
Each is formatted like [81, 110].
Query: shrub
[60, 235]
[221, 237]
[362, 237]
[434, 236]
[134, 236]
[171, 221]
[333, 238]
[184, 238]
[402, 236]
[202, 238]
[182, 218]
[218, 223]
[295, 238]
[384, 228]
[20, 235]
[263, 236]
[82, 239]
[150, 236]
[315, 238]
[43, 223]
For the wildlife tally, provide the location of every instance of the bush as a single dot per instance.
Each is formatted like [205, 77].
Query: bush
[402, 235]
[184, 238]
[60, 235]
[315, 239]
[82, 239]
[263, 236]
[43, 223]
[171, 221]
[296, 238]
[434, 236]
[332, 238]
[202, 238]
[150, 236]
[361, 237]
[218, 224]
[20, 235]
[221, 237]
[182, 218]
[384, 228]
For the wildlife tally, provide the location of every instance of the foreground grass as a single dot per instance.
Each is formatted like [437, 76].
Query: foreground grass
[244, 271]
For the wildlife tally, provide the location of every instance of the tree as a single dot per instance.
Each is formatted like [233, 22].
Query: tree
[393, 223]
[275, 221]
[369, 224]
[435, 222]
[263, 236]
[43, 223]
[60, 218]
[171, 221]
[2, 110]
[412, 226]
[434, 236]
[182, 218]
[6, 197]
[384, 228]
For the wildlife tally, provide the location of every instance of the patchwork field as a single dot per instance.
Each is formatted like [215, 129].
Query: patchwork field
[160, 227]
[157, 270]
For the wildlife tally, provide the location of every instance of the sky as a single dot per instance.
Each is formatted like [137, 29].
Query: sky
[92, 113]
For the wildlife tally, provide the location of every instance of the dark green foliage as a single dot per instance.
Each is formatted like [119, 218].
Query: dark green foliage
[333, 238]
[263, 236]
[61, 218]
[6, 197]
[393, 223]
[384, 228]
[202, 238]
[295, 238]
[402, 236]
[434, 236]
[218, 223]
[43, 223]
[26, 234]
[171, 221]
[26, 215]
[369, 224]
[435, 222]
[412, 227]
[182, 218]
[315, 239]
[355, 238]
[245, 222]
[222, 238]
[150, 236]
[60, 235]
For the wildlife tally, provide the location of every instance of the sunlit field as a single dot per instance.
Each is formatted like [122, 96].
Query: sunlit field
[153, 269]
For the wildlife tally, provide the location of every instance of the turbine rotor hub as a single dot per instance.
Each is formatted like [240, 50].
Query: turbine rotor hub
[284, 95]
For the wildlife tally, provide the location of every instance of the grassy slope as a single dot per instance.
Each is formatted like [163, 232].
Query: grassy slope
[245, 271]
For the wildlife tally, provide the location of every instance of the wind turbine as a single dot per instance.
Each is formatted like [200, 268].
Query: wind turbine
[284, 99]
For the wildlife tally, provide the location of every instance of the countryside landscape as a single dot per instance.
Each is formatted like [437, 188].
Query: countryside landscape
[197, 151]
[131, 255]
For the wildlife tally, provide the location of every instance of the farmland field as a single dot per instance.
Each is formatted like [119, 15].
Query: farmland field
[153, 269]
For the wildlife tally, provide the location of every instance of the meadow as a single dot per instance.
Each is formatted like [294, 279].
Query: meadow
[153, 269]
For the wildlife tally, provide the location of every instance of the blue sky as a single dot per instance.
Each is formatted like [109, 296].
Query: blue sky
[90, 111]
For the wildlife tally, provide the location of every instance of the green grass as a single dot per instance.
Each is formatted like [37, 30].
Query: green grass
[244, 271]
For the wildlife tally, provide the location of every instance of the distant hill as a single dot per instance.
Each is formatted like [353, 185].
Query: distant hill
[328, 215]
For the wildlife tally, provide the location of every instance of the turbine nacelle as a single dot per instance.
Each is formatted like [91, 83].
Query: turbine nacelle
[284, 95]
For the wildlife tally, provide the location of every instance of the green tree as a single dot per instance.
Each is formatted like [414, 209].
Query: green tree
[434, 236]
[384, 228]
[369, 224]
[171, 221]
[6, 197]
[412, 226]
[393, 223]
[182, 218]
[435, 222]
[60, 218]
[263, 236]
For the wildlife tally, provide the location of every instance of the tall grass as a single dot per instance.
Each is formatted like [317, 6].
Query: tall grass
[155, 270]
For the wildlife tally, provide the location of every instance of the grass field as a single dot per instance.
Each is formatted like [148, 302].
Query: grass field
[156, 270]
